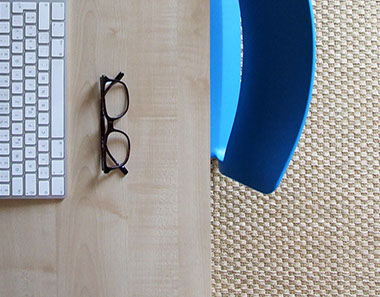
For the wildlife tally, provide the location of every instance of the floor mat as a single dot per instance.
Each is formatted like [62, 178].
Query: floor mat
[319, 234]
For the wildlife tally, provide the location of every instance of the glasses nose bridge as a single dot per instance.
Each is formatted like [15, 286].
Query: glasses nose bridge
[110, 124]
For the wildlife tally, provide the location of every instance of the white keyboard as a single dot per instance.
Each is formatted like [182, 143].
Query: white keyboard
[32, 99]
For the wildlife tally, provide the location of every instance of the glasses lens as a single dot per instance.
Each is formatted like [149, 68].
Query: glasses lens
[118, 146]
[117, 100]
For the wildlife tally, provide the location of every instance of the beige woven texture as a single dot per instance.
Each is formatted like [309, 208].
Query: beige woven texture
[319, 234]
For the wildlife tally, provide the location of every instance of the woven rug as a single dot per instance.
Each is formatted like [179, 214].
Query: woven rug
[319, 234]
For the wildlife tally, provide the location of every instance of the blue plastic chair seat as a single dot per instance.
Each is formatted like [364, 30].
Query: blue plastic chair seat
[256, 124]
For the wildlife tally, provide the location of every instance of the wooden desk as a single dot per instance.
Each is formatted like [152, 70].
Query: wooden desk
[147, 234]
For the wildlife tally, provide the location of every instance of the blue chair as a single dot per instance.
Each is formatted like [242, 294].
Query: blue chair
[257, 115]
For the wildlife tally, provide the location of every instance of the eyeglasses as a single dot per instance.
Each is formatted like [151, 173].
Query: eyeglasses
[108, 131]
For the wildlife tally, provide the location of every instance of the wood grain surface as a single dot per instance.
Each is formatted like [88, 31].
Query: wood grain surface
[147, 234]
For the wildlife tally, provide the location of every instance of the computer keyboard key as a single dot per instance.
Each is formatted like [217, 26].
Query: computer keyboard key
[30, 125]
[30, 71]
[43, 118]
[31, 184]
[5, 27]
[17, 61]
[19, 7]
[43, 51]
[17, 47]
[43, 146]
[17, 115]
[4, 176]
[4, 189]
[17, 142]
[5, 11]
[43, 78]
[4, 95]
[43, 159]
[43, 132]
[43, 91]
[17, 88]
[17, 75]
[18, 20]
[4, 162]
[58, 48]
[30, 139]
[43, 38]
[4, 54]
[43, 173]
[30, 98]
[30, 85]
[4, 68]
[4, 108]
[30, 58]
[30, 18]
[57, 149]
[4, 41]
[30, 112]
[4, 81]
[18, 34]
[58, 11]
[31, 31]
[30, 152]
[30, 166]
[17, 129]
[4, 122]
[58, 186]
[44, 16]
[17, 156]
[44, 187]
[43, 65]
[58, 29]
[17, 101]
[57, 167]
[4, 136]
[17, 186]
[30, 44]
[43, 105]
[17, 169]
[4, 149]
[57, 99]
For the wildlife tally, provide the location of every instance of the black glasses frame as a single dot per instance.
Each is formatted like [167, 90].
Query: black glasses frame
[107, 124]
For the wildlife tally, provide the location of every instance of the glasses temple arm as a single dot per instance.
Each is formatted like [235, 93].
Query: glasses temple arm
[117, 78]
[123, 169]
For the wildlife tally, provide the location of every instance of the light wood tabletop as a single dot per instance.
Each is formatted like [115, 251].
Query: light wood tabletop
[147, 234]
